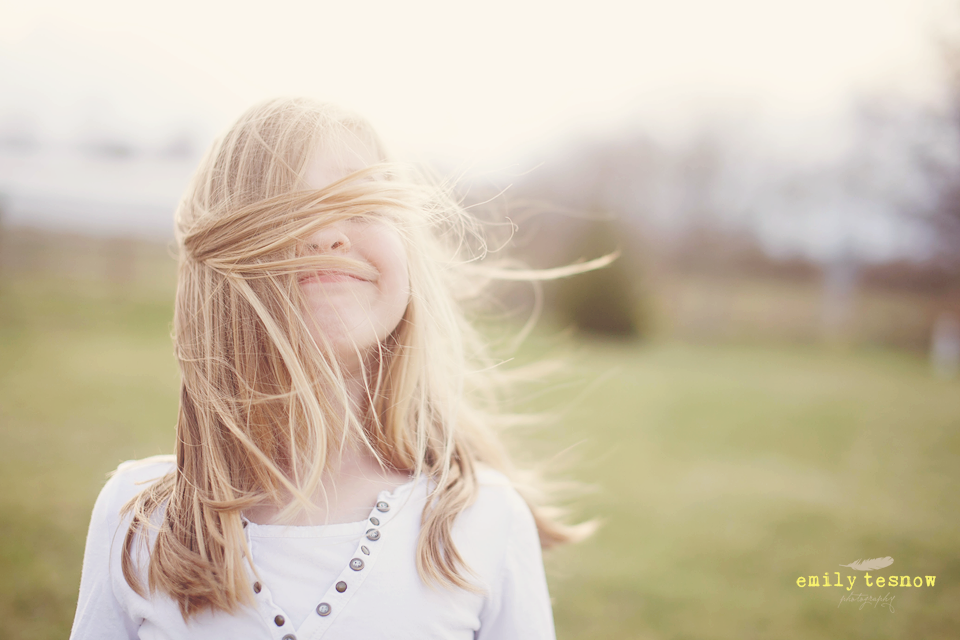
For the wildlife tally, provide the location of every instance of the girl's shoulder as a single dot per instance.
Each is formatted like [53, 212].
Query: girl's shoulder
[499, 507]
[132, 477]
[497, 488]
[145, 466]
[135, 474]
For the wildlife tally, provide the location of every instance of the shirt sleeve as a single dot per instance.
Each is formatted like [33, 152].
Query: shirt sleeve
[99, 612]
[102, 613]
[519, 602]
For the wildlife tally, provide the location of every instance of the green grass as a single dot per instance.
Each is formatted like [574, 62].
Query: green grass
[721, 473]
[726, 472]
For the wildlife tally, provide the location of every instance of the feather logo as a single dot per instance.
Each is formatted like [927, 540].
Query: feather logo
[871, 564]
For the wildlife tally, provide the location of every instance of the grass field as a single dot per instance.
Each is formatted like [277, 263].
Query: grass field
[721, 473]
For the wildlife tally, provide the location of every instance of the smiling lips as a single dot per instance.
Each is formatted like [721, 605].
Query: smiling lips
[327, 277]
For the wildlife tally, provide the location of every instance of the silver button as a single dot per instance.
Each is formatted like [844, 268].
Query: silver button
[375, 521]
[289, 636]
[356, 564]
[365, 550]
[341, 586]
[373, 534]
[382, 506]
[323, 609]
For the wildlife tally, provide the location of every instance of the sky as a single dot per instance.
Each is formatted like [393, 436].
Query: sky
[493, 86]
[478, 81]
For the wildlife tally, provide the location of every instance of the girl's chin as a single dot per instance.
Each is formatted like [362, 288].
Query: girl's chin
[346, 346]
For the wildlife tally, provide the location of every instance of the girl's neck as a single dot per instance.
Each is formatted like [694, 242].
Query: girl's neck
[356, 390]
[352, 481]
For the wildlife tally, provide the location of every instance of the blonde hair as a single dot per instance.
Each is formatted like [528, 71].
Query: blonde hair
[263, 410]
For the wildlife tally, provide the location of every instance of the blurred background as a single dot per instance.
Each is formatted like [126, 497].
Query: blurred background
[764, 385]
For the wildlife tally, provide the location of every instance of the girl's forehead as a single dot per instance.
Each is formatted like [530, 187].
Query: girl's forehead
[332, 161]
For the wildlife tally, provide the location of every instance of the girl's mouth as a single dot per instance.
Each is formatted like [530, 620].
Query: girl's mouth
[327, 277]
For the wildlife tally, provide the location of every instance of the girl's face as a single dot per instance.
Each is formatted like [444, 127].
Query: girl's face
[352, 314]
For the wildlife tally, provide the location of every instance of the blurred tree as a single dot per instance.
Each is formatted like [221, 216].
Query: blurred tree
[605, 301]
[948, 201]
[943, 168]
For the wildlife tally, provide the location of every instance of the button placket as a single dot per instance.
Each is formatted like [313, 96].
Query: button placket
[353, 575]
[274, 617]
[345, 585]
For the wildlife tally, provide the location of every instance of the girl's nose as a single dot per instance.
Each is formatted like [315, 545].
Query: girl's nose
[331, 239]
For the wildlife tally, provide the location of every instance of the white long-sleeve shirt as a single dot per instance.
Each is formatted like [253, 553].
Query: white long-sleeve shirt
[342, 581]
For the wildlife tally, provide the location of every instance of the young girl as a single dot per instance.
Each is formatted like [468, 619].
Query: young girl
[337, 471]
